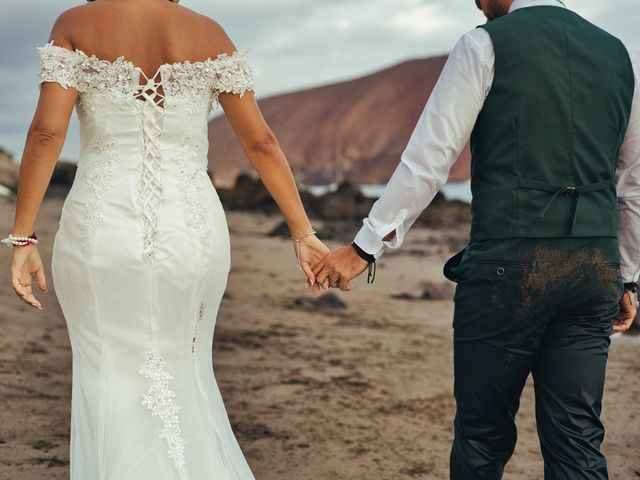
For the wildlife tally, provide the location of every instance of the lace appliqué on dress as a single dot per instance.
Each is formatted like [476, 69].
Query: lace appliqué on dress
[97, 181]
[189, 84]
[232, 74]
[192, 161]
[104, 83]
[160, 401]
[57, 65]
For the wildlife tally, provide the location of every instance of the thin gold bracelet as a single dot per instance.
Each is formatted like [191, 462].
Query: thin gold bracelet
[297, 245]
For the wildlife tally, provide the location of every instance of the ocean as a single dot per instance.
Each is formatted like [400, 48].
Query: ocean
[451, 191]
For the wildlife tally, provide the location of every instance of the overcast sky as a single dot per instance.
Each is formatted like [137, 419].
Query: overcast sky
[293, 44]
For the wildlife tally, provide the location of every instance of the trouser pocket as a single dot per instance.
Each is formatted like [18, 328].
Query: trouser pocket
[450, 266]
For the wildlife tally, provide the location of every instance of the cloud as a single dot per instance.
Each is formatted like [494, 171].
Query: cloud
[293, 44]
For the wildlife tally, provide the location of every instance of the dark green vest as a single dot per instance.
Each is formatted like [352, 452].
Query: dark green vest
[546, 143]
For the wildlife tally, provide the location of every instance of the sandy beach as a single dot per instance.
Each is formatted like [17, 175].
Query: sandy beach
[356, 393]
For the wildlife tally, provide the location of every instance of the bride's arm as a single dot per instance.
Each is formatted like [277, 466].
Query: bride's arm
[263, 151]
[44, 142]
[45, 139]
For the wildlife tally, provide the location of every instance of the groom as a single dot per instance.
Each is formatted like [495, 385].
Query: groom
[552, 105]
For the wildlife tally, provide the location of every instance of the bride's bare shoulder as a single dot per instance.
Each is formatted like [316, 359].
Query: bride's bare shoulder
[65, 24]
[204, 36]
[211, 34]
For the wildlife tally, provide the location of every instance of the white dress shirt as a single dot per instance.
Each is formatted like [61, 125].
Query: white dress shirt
[444, 129]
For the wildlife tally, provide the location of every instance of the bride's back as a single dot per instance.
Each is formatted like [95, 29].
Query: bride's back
[148, 33]
[147, 74]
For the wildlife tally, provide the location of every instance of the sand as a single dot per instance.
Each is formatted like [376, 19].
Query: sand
[358, 393]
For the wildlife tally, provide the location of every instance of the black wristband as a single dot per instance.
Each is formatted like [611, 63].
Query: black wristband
[362, 254]
[370, 259]
[632, 286]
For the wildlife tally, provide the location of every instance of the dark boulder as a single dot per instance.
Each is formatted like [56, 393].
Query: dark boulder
[328, 301]
[62, 178]
[346, 203]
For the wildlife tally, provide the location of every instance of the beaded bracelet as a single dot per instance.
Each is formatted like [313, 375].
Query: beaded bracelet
[12, 241]
[297, 246]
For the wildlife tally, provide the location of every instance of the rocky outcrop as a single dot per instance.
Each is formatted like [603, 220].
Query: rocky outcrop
[353, 130]
[61, 179]
[8, 170]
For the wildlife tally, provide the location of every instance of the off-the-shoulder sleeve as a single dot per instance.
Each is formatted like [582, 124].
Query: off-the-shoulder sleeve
[233, 74]
[57, 64]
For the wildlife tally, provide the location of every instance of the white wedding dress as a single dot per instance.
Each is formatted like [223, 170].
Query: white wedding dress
[140, 263]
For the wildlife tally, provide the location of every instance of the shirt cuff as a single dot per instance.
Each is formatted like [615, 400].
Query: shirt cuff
[368, 241]
[628, 276]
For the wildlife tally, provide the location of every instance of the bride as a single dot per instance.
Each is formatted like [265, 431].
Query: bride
[141, 256]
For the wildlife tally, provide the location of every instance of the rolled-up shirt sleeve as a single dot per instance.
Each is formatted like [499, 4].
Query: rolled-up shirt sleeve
[627, 180]
[440, 135]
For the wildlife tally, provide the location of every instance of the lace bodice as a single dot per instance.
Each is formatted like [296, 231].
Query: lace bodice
[146, 138]
[102, 83]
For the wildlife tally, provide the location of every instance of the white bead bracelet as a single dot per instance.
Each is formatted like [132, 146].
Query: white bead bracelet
[12, 241]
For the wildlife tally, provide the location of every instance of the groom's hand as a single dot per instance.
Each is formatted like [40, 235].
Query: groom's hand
[339, 267]
[627, 313]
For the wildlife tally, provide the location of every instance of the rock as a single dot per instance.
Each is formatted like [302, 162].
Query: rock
[280, 230]
[6, 191]
[430, 291]
[62, 178]
[347, 202]
[342, 231]
[328, 301]
[445, 213]
[64, 173]
[248, 193]
[246, 184]
[437, 291]
[8, 170]
[405, 296]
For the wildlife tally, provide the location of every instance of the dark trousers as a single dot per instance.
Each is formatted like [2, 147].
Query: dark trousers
[540, 307]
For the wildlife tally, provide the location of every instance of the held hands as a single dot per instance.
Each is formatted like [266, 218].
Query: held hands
[310, 250]
[627, 313]
[339, 268]
[25, 262]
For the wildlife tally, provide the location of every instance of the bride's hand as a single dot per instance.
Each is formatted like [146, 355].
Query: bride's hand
[25, 262]
[312, 250]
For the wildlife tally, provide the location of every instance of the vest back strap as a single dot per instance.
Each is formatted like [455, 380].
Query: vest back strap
[566, 190]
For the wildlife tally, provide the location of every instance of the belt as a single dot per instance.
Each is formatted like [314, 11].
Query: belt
[565, 190]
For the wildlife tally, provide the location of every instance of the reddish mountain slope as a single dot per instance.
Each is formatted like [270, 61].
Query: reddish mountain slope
[357, 129]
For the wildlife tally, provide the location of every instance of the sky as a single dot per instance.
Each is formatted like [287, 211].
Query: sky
[292, 44]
